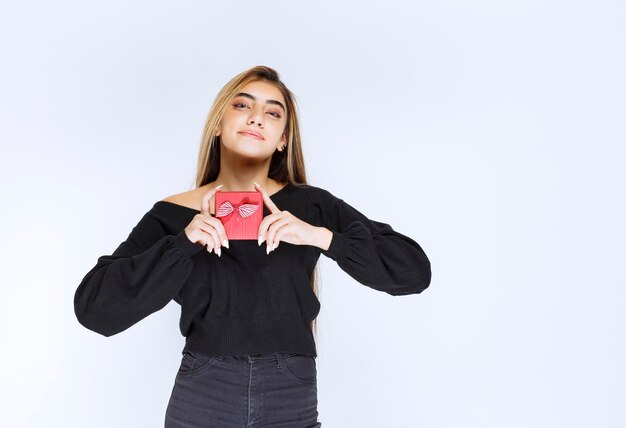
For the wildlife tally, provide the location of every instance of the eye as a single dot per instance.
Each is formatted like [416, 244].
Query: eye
[240, 103]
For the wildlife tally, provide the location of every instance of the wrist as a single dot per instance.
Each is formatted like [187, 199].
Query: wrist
[323, 237]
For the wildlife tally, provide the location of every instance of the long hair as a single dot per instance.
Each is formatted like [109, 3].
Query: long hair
[285, 166]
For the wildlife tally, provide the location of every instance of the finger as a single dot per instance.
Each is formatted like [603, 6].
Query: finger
[267, 221]
[279, 236]
[217, 242]
[218, 226]
[204, 209]
[266, 198]
[273, 232]
[207, 238]
[264, 226]
[210, 243]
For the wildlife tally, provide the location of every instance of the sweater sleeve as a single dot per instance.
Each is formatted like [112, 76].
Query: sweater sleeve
[373, 253]
[142, 275]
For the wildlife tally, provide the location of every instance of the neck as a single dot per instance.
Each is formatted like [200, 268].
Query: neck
[238, 174]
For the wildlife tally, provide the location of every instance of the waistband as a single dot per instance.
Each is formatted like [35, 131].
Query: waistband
[260, 357]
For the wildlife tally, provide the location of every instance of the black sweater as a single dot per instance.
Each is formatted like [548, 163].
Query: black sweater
[246, 301]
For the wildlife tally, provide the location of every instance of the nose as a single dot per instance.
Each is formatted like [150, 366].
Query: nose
[256, 117]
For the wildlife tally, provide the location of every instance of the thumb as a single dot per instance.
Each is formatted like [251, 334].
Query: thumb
[206, 198]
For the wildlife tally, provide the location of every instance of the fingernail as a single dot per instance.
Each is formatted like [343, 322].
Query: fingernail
[219, 252]
[276, 245]
[225, 243]
[260, 240]
[267, 250]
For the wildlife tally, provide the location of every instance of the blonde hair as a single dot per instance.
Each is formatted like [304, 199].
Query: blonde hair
[288, 167]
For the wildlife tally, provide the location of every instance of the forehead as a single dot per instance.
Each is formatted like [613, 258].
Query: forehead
[263, 91]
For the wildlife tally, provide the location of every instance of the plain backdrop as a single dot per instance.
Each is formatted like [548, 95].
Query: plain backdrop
[490, 132]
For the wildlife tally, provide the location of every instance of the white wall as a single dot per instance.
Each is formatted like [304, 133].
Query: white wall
[504, 121]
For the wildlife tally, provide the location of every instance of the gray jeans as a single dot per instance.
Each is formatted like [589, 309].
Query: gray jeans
[261, 391]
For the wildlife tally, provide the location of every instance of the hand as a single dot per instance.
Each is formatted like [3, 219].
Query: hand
[283, 226]
[206, 229]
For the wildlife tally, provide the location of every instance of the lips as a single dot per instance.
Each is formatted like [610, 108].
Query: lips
[252, 135]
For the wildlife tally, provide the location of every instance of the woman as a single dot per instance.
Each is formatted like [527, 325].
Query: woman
[247, 312]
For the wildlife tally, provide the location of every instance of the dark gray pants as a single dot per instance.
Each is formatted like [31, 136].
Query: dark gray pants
[261, 391]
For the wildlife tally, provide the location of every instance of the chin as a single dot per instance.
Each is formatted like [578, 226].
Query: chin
[248, 149]
[251, 154]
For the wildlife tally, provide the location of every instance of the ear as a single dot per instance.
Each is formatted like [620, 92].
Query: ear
[218, 131]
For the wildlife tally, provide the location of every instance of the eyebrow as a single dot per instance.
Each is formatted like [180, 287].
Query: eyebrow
[253, 98]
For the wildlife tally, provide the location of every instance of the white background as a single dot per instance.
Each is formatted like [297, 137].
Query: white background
[490, 132]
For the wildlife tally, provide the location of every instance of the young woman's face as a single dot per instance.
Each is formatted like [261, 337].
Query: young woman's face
[258, 108]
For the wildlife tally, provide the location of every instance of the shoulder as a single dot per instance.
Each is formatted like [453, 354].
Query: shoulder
[176, 198]
[187, 199]
[317, 193]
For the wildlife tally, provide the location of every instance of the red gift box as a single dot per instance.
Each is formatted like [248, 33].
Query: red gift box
[240, 213]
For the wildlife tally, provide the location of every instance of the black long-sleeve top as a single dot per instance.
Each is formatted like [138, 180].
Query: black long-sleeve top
[246, 301]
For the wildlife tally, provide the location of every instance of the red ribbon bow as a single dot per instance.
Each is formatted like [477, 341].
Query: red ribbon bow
[245, 209]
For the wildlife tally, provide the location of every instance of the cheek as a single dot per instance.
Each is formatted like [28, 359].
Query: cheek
[233, 117]
[278, 128]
